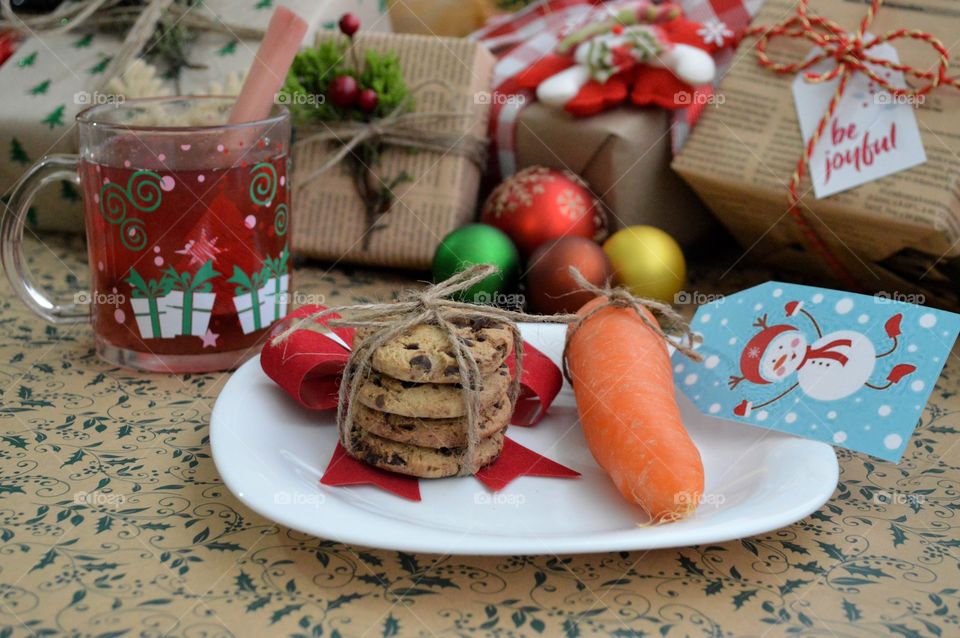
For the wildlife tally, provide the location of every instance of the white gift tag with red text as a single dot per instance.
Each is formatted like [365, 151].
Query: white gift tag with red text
[872, 134]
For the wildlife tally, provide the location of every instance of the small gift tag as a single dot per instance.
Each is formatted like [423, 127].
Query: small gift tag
[851, 370]
[873, 133]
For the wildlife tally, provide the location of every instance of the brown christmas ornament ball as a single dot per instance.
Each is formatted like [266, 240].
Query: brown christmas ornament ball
[539, 204]
[550, 286]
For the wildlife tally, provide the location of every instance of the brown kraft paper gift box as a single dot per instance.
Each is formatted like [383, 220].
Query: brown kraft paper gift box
[624, 155]
[441, 192]
[895, 235]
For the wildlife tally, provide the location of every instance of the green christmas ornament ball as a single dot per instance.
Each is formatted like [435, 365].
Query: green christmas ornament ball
[478, 244]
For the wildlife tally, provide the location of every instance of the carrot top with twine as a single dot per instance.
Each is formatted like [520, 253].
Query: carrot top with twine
[434, 306]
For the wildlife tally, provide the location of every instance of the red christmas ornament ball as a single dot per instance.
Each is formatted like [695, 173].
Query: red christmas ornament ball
[343, 91]
[550, 286]
[539, 204]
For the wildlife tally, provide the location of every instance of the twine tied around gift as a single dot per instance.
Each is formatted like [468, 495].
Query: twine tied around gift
[401, 127]
[623, 298]
[106, 13]
[434, 306]
[851, 53]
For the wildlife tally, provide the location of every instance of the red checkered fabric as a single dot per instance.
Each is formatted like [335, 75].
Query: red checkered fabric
[520, 39]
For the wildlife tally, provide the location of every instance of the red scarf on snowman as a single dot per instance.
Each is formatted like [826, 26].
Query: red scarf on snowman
[752, 354]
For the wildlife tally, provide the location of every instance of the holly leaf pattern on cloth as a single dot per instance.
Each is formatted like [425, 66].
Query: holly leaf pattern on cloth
[119, 524]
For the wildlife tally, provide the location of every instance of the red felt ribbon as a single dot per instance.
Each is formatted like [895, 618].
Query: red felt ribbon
[852, 55]
[308, 366]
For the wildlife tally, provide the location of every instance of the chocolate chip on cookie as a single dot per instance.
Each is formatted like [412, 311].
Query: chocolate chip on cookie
[428, 400]
[423, 353]
[432, 433]
[419, 461]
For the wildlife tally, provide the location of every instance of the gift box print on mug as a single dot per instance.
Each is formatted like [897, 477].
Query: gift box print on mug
[851, 370]
[196, 260]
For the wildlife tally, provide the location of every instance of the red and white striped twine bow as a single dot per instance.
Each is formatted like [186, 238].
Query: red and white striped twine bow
[851, 52]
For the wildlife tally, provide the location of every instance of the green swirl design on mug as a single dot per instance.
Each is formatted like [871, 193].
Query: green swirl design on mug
[133, 234]
[143, 190]
[281, 220]
[113, 203]
[263, 183]
[144, 193]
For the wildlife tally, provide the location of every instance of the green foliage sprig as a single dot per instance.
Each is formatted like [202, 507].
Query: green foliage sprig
[305, 91]
[314, 69]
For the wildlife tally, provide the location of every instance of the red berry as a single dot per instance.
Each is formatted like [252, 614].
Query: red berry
[343, 91]
[349, 24]
[367, 100]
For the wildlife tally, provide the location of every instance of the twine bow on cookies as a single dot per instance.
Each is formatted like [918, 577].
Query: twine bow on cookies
[851, 54]
[429, 306]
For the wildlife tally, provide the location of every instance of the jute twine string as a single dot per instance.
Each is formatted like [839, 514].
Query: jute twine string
[622, 298]
[428, 306]
[433, 306]
[851, 53]
[400, 127]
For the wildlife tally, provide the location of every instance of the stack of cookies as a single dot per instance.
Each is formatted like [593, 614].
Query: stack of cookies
[411, 416]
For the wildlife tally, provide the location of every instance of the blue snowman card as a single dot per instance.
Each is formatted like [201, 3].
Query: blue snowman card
[850, 370]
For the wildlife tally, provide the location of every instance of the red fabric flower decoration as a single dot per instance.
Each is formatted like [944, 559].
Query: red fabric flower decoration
[644, 84]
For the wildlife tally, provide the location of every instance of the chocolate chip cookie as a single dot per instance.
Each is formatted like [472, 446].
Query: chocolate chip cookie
[414, 460]
[429, 400]
[432, 433]
[424, 354]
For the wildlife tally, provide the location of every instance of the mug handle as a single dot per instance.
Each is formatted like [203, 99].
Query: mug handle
[50, 168]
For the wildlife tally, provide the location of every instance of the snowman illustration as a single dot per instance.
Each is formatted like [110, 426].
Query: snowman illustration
[832, 367]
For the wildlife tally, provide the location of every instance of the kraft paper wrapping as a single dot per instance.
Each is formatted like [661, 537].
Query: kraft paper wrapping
[329, 217]
[624, 154]
[740, 157]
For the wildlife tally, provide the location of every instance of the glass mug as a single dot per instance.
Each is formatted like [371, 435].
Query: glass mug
[187, 223]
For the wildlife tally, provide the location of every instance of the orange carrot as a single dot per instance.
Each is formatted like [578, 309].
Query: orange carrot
[623, 382]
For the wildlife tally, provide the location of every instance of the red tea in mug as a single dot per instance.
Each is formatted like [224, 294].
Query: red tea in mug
[188, 224]
[187, 261]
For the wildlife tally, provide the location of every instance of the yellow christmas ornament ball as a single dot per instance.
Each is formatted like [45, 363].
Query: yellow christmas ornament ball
[647, 261]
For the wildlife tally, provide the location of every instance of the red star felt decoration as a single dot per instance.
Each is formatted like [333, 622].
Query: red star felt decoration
[515, 461]
[343, 469]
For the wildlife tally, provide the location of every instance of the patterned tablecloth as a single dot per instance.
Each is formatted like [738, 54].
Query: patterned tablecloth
[114, 522]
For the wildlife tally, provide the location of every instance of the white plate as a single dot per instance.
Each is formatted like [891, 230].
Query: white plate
[271, 454]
